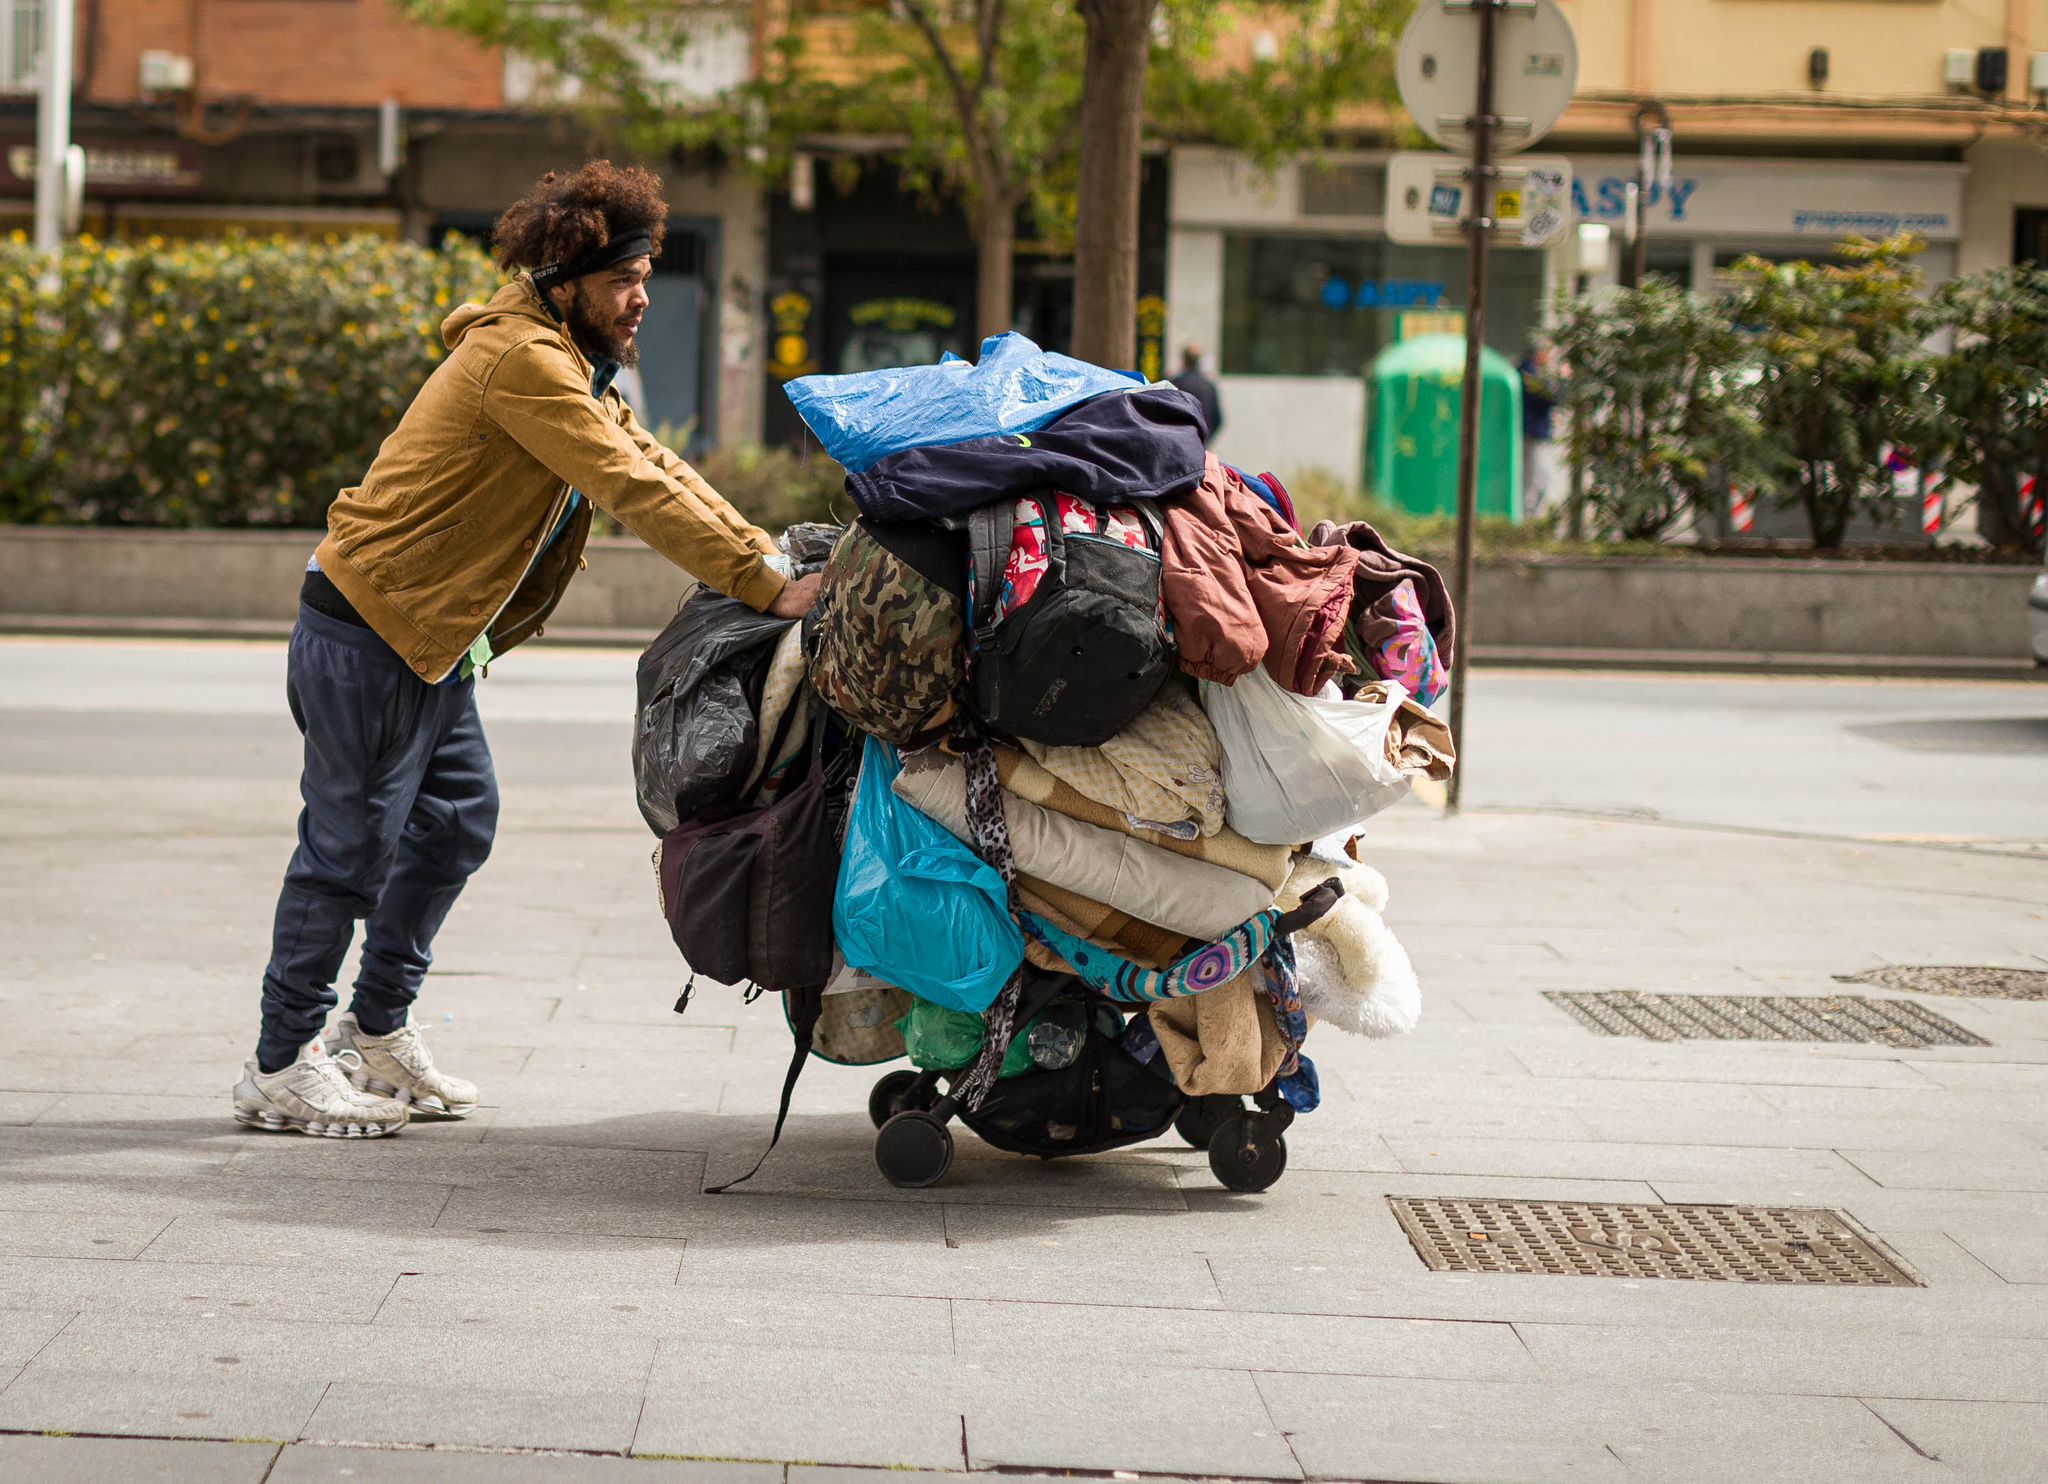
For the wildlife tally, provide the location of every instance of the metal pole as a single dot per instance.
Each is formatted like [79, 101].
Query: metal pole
[53, 125]
[1481, 173]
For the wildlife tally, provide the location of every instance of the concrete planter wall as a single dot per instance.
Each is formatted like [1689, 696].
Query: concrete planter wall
[1899, 610]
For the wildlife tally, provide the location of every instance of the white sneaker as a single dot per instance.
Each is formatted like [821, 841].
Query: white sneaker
[313, 1096]
[400, 1066]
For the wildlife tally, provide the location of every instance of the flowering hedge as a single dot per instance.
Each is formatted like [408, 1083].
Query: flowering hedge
[236, 382]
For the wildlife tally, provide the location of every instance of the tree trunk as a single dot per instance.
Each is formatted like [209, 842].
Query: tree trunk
[995, 241]
[1106, 224]
[1998, 505]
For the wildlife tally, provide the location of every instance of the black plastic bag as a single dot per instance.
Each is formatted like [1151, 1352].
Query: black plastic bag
[699, 683]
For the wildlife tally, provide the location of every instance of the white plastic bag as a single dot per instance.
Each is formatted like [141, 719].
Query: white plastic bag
[1297, 768]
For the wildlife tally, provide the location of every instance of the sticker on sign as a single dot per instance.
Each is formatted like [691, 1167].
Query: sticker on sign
[1429, 201]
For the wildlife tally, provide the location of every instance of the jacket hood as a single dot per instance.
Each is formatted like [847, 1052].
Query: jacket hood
[516, 300]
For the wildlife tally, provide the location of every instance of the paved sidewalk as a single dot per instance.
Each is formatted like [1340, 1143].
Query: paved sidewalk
[547, 1276]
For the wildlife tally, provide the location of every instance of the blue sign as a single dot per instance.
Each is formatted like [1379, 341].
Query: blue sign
[1385, 293]
[1608, 196]
[1444, 199]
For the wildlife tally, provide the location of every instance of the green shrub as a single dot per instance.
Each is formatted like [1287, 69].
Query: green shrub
[235, 382]
[1660, 417]
[774, 487]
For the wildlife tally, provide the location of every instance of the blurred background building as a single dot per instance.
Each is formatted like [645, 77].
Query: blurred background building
[1794, 123]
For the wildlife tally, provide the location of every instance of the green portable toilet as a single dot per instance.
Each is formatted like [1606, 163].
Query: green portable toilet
[1416, 397]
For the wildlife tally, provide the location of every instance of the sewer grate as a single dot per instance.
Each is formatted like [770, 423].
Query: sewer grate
[1723, 1244]
[1753, 1017]
[1980, 983]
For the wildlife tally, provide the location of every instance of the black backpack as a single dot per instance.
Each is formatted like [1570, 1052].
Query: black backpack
[1075, 664]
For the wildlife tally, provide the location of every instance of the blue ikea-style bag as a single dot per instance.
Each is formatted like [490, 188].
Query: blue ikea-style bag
[1015, 387]
[914, 905]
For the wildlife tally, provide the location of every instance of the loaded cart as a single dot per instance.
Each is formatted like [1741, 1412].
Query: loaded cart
[1056, 793]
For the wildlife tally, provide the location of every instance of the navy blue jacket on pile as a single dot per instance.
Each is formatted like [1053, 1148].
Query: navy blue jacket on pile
[1124, 446]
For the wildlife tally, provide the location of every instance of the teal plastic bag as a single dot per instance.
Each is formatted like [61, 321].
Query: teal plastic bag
[916, 907]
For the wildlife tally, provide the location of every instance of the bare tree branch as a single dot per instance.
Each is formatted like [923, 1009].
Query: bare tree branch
[966, 99]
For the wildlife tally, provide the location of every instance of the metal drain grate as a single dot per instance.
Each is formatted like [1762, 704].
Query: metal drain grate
[1752, 1017]
[1980, 983]
[1722, 1244]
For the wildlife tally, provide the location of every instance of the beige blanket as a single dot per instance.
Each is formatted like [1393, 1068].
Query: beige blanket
[1171, 891]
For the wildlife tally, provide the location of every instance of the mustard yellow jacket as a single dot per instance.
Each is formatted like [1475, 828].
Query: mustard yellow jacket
[443, 540]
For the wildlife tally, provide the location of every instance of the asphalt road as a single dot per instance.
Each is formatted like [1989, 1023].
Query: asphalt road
[1890, 759]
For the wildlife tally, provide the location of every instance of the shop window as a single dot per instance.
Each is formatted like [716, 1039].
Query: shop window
[21, 44]
[2030, 236]
[1301, 305]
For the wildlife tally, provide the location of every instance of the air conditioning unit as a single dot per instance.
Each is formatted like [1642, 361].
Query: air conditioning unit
[341, 166]
[164, 72]
[1959, 67]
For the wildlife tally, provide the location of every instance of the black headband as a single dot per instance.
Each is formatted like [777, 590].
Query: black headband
[614, 252]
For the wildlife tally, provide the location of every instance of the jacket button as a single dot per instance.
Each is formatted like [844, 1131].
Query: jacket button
[583, 564]
[475, 608]
[540, 631]
[527, 544]
[421, 667]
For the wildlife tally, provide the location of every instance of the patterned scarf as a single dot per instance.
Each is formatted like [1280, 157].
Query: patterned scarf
[989, 834]
[1203, 969]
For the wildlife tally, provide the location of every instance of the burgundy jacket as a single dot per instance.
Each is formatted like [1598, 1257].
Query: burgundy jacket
[1243, 589]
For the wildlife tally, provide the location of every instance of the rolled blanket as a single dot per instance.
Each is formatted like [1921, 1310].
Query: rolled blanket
[1171, 891]
[1166, 766]
[1140, 942]
[1025, 777]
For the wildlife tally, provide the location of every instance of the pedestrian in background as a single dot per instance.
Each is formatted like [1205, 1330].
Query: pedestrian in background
[455, 548]
[1191, 379]
[1538, 412]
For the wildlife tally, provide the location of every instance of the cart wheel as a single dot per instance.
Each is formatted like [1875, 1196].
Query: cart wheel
[1199, 1118]
[892, 1096]
[1246, 1154]
[914, 1149]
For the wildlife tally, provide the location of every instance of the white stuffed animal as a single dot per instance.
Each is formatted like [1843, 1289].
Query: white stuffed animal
[1353, 971]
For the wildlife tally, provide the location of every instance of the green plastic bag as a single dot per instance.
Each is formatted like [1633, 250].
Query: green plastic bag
[938, 1038]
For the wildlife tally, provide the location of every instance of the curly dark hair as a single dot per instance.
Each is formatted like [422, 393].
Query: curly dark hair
[566, 216]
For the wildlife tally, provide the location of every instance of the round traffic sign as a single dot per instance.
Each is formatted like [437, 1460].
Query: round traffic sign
[1535, 69]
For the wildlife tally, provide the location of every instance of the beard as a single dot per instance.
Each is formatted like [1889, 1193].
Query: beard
[597, 339]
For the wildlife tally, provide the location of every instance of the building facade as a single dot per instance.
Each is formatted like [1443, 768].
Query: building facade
[1795, 123]
[202, 117]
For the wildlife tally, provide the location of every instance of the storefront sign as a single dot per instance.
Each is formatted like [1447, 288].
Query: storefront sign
[1386, 293]
[1712, 198]
[902, 315]
[112, 167]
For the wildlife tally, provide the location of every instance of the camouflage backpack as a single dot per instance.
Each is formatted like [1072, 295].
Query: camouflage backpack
[885, 640]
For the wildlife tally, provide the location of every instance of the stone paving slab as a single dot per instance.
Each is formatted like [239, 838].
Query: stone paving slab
[1452, 1432]
[455, 1415]
[548, 1274]
[97, 1460]
[326, 1463]
[1979, 1440]
[1839, 1361]
[157, 1404]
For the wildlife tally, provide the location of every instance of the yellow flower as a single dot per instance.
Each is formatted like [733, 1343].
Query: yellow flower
[202, 479]
[202, 359]
[157, 319]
